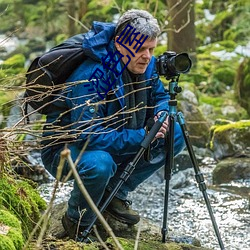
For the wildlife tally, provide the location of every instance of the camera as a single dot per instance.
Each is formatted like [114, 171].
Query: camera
[171, 65]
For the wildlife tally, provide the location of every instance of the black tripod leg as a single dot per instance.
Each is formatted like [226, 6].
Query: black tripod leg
[199, 177]
[168, 173]
[129, 168]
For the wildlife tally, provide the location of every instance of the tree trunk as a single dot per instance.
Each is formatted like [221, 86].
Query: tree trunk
[83, 7]
[72, 13]
[181, 27]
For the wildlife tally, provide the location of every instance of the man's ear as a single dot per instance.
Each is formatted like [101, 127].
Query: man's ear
[117, 45]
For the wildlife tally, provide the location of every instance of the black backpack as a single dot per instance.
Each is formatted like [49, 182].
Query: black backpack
[48, 73]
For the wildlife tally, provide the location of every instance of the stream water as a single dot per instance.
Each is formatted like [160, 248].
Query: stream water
[187, 212]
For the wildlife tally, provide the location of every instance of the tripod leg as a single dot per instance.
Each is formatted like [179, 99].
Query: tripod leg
[199, 176]
[168, 173]
[129, 169]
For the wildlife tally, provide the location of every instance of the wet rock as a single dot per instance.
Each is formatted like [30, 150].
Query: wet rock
[231, 169]
[31, 167]
[181, 179]
[197, 125]
[232, 139]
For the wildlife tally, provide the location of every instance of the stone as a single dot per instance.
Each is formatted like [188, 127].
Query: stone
[230, 140]
[231, 169]
[197, 125]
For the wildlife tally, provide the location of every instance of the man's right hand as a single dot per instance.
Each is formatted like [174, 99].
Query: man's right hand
[164, 128]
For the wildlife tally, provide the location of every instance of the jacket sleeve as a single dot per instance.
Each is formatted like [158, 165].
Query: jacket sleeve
[88, 122]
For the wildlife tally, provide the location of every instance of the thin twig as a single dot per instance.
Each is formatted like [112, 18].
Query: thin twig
[137, 236]
[77, 21]
[99, 238]
[66, 154]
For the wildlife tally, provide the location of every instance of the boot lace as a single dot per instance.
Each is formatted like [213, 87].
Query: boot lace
[127, 203]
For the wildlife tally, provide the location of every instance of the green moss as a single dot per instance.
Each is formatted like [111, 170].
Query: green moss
[225, 75]
[22, 200]
[128, 244]
[228, 45]
[60, 38]
[219, 102]
[238, 128]
[16, 237]
[6, 243]
[91, 247]
[236, 125]
[6, 96]
[13, 71]
[215, 101]
[13, 239]
[16, 61]
[9, 219]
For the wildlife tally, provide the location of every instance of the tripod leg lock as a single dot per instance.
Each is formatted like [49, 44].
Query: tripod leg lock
[200, 180]
[127, 172]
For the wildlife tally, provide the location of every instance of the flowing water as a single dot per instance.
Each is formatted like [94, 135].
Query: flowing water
[187, 212]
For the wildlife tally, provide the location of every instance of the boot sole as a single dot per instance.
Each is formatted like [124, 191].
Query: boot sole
[121, 219]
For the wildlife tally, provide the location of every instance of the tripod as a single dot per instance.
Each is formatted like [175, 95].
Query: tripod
[129, 169]
[173, 90]
[169, 163]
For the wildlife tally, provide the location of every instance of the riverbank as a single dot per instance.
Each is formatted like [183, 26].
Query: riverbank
[188, 216]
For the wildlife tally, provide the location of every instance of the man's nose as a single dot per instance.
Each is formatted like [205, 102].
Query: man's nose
[146, 54]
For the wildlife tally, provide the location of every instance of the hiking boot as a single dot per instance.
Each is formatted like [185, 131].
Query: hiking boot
[75, 231]
[121, 211]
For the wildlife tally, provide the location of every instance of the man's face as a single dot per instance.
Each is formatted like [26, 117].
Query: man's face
[139, 63]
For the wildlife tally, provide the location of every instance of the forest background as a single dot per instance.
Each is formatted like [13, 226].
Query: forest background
[214, 33]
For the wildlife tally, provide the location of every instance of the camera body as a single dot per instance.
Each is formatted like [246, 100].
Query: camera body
[171, 65]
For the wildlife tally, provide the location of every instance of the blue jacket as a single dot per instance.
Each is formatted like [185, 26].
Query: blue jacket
[101, 121]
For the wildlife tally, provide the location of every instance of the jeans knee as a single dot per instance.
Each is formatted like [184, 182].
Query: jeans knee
[98, 165]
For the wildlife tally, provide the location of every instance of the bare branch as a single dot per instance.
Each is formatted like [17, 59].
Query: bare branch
[79, 22]
[66, 154]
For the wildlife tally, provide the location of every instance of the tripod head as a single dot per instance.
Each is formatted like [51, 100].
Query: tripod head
[174, 89]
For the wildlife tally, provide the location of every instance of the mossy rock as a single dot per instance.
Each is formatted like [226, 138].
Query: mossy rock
[128, 244]
[232, 139]
[13, 70]
[16, 61]
[219, 107]
[21, 199]
[231, 169]
[150, 235]
[14, 64]
[10, 231]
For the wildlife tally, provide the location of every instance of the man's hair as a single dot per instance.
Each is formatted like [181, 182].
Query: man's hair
[141, 20]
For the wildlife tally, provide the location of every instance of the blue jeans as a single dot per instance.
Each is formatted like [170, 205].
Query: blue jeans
[100, 170]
